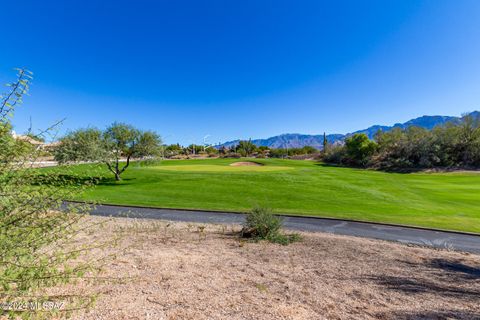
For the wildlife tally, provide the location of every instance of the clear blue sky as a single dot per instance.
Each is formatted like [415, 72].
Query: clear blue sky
[240, 69]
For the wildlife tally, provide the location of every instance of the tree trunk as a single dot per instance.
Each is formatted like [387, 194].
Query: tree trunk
[115, 171]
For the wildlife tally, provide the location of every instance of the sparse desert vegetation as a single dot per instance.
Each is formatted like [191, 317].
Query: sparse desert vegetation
[36, 249]
[455, 144]
[170, 270]
[262, 224]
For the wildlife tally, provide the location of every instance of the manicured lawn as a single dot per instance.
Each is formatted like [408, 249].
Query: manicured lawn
[447, 200]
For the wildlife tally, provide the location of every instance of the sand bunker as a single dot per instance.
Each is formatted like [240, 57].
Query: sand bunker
[245, 164]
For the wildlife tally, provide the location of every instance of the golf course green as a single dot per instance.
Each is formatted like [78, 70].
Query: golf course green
[438, 200]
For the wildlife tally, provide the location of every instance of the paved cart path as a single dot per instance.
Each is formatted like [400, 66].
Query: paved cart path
[437, 239]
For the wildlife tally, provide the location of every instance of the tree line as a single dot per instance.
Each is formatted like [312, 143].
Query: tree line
[453, 145]
[244, 148]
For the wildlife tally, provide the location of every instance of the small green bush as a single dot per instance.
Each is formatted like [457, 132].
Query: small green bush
[232, 155]
[148, 162]
[262, 224]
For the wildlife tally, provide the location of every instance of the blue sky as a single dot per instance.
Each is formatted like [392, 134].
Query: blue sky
[241, 69]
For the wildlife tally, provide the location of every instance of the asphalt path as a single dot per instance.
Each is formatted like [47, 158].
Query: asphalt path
[407, 235]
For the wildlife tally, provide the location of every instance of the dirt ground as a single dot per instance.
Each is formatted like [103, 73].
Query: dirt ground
[182, 271]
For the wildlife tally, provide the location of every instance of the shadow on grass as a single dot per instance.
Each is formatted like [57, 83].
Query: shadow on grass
[330, 165]
[399, 170]
[113, 182]
[64, 180]
[335, 165]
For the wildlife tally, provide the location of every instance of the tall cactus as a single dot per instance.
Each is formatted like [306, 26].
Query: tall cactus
[325, 142]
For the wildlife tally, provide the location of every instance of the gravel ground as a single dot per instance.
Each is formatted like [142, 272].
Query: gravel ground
[176, 271]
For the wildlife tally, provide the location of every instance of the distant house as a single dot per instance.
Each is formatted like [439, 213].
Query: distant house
[28, 139]
[35, 142]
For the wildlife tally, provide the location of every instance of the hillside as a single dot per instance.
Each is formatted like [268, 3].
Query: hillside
[292, 140]
[297, 140]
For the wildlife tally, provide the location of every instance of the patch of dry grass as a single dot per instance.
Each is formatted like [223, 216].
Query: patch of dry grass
[190, 271]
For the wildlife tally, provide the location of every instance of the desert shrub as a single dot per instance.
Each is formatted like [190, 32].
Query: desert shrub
[278, 153]
[148, 162]
[232, 155]
[453, 145]
[335, 154]
[179, 157]
[456, 144]
[172, 150]
[212, 151]
[193, 149]
[37, 231]
[409, 148]
[262, 224]
[294, 153]
[305, 156]
[246, 148]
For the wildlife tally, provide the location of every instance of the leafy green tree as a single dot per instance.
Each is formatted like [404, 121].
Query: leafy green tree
[124, 141]
[117, 143]
[81, 145]
[359, 148]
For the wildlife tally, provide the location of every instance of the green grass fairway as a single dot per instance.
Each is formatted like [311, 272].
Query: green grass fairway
[446, 201]
[221, 168]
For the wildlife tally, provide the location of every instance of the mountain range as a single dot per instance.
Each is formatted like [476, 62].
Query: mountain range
[297, 140]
